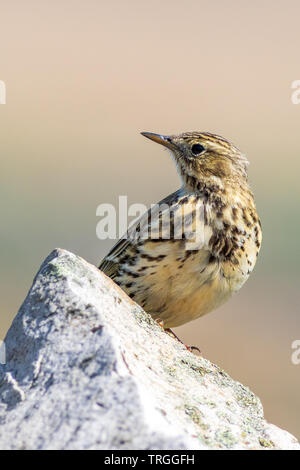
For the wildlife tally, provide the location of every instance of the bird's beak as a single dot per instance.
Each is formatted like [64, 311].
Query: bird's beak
[160, 139]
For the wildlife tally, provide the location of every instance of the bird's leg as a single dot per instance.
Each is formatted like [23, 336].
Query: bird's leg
[160, 322]
[189, 348]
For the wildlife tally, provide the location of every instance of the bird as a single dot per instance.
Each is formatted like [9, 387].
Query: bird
[194, 249]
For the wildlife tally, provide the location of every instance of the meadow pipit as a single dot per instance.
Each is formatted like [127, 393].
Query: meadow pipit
[171, 278]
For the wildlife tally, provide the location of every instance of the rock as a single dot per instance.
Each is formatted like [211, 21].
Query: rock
[87, 368]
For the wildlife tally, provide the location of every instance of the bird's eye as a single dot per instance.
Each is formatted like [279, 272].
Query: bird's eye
[197, 149]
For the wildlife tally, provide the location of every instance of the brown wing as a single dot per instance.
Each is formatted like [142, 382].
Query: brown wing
[126, 246]
[110, 264]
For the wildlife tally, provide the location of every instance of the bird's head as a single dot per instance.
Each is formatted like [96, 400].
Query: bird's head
[203, 156]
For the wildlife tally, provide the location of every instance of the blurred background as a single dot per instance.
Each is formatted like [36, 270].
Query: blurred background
[84, 78]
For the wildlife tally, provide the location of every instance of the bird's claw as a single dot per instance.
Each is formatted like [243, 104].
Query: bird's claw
[191, 349]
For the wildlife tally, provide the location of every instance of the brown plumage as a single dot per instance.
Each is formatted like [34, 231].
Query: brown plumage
[200, 244]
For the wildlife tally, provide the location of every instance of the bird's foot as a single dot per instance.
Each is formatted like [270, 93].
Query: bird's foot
[191, 349]
[160, 322]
